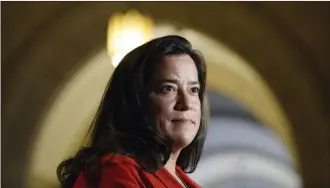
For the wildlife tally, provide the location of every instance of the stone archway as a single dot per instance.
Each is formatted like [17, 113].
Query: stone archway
[37, 68]
[227, 74]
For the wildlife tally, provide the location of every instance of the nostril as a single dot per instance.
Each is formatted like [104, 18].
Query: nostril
[183, 107]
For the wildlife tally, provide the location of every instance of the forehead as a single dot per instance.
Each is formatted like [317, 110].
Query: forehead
[177, 66]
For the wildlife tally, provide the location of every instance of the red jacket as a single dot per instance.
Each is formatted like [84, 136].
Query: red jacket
[123, 172]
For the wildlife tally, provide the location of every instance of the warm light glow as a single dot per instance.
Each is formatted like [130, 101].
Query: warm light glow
[126, 32]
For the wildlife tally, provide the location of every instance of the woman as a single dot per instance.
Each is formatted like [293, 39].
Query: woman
[150, 128]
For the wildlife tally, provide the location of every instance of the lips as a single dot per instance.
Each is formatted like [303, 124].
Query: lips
[183, 120]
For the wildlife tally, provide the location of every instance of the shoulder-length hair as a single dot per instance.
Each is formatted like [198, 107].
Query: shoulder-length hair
[121, 124]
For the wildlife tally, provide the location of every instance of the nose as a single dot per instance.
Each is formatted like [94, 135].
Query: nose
[184, 102]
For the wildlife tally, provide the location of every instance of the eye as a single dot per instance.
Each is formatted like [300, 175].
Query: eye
[195, 90]
[168, 89]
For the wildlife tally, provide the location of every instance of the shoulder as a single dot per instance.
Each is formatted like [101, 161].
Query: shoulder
[186, 178]
[116, 171]
[118, 160]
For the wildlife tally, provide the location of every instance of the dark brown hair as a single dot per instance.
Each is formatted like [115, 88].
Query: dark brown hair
[121, 124]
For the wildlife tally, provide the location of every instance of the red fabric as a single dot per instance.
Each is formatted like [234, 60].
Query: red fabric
[123, 172]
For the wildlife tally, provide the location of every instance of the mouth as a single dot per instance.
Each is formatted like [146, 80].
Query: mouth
[183, 120]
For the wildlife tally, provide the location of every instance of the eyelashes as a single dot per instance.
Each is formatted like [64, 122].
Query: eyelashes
[195, 90]
[166, 89]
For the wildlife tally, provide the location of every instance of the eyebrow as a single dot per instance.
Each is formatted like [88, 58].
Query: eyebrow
[175, 81]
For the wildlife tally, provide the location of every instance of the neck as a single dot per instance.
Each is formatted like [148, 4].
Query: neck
[171, 163]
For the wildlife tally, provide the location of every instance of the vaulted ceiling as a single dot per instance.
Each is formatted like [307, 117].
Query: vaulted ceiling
[44, 43]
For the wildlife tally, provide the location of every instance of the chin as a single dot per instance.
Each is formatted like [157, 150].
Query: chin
[182, 141]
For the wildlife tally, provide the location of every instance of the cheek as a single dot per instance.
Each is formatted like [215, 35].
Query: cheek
[198, 110]
[198, 116]
[160, 111]
[163, 115]
[161, 106]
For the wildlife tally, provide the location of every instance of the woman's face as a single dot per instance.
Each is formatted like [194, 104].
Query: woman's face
[174, 99]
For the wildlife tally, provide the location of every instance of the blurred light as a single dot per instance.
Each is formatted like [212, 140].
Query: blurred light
[223, 166]
[126, 32]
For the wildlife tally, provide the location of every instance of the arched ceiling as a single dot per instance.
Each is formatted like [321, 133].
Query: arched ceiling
[77, 101]
[290, 53]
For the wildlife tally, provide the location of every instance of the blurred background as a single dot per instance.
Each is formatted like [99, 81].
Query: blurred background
[268, 84]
